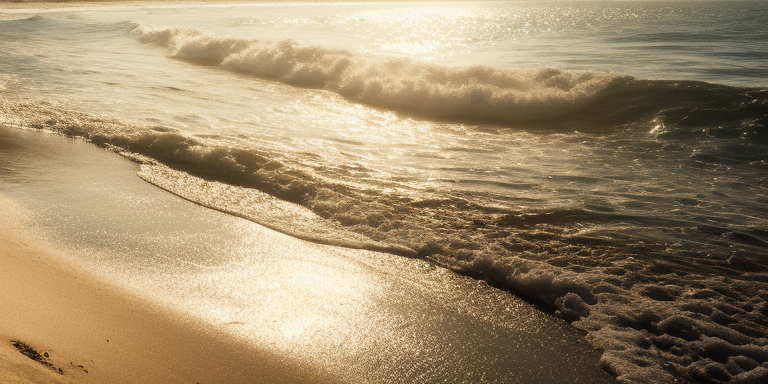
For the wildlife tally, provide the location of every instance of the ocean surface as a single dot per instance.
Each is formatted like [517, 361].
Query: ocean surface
[607, 161]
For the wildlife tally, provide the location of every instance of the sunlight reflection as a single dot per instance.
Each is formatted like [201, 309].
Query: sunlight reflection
[420, 32]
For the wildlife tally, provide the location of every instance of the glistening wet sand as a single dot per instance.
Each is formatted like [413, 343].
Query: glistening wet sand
[364, 316]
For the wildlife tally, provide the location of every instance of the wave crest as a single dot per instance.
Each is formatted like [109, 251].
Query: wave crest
[430, 90]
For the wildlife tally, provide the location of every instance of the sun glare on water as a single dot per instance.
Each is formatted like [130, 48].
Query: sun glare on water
[419, 32]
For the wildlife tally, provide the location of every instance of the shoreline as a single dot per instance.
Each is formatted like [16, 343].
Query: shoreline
[358, 315]
[95, 333]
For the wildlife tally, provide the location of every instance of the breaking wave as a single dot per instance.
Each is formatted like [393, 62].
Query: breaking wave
[477, 93]
[434, 91]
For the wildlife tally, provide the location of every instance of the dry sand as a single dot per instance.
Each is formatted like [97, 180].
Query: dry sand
[95, 333]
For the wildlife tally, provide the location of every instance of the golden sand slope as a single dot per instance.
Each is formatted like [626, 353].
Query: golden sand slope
[94, 333]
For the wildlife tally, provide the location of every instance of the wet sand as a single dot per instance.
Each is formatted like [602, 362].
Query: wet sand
[90, 332]
[202, 296]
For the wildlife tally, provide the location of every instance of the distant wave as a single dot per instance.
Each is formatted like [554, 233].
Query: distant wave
[477, 93]
[430, 90]
[52, 24]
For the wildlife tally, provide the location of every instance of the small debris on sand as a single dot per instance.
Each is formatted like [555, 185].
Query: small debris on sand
[30, 352]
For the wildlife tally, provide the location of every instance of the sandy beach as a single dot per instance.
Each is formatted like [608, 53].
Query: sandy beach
[88, 332]
[285, 310]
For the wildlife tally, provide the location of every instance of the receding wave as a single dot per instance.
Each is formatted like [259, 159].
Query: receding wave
[242, 182]
[429, 90]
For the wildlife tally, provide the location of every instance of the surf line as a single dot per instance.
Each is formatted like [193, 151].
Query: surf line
[315, 229]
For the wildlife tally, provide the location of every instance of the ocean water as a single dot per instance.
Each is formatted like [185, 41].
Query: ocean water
[606, 161]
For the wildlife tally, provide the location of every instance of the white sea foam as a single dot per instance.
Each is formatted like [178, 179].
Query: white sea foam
[401, 84]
